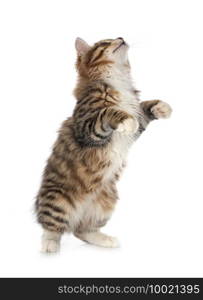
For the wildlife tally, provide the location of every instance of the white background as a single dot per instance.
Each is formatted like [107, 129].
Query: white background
[159, 216]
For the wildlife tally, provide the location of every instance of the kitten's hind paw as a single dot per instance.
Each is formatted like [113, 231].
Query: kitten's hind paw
[50, 246]
[50, 242]
[161, 110]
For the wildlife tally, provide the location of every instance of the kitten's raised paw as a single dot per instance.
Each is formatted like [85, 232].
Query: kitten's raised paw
[50, 246]
[128, 126]
[161, 110]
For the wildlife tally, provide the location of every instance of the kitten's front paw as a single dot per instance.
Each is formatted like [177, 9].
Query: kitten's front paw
[161, 110]
[128, 126]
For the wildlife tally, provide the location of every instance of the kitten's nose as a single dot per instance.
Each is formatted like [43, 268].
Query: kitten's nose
[120, 38]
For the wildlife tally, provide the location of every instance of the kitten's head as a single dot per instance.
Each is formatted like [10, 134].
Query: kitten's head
[99, 60]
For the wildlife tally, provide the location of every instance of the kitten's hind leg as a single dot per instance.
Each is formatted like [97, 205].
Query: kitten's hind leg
[50, 241]
[98, 238]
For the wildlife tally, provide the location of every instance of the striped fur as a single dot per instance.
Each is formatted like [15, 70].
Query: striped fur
[78, 190]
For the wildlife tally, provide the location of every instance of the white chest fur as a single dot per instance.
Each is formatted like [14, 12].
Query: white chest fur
[121, 142]
[121, 81]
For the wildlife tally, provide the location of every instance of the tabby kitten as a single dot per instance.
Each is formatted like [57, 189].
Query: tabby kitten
[78, 190]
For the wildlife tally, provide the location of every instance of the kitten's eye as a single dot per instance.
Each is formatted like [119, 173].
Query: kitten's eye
[104, 44]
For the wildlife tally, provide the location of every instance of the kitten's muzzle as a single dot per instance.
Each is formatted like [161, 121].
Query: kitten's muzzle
[122, 39]
[121, 42]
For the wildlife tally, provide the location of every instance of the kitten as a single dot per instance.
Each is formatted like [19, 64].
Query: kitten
[78, 190]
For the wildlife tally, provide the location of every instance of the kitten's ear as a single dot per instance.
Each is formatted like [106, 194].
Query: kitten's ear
[81, 46]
